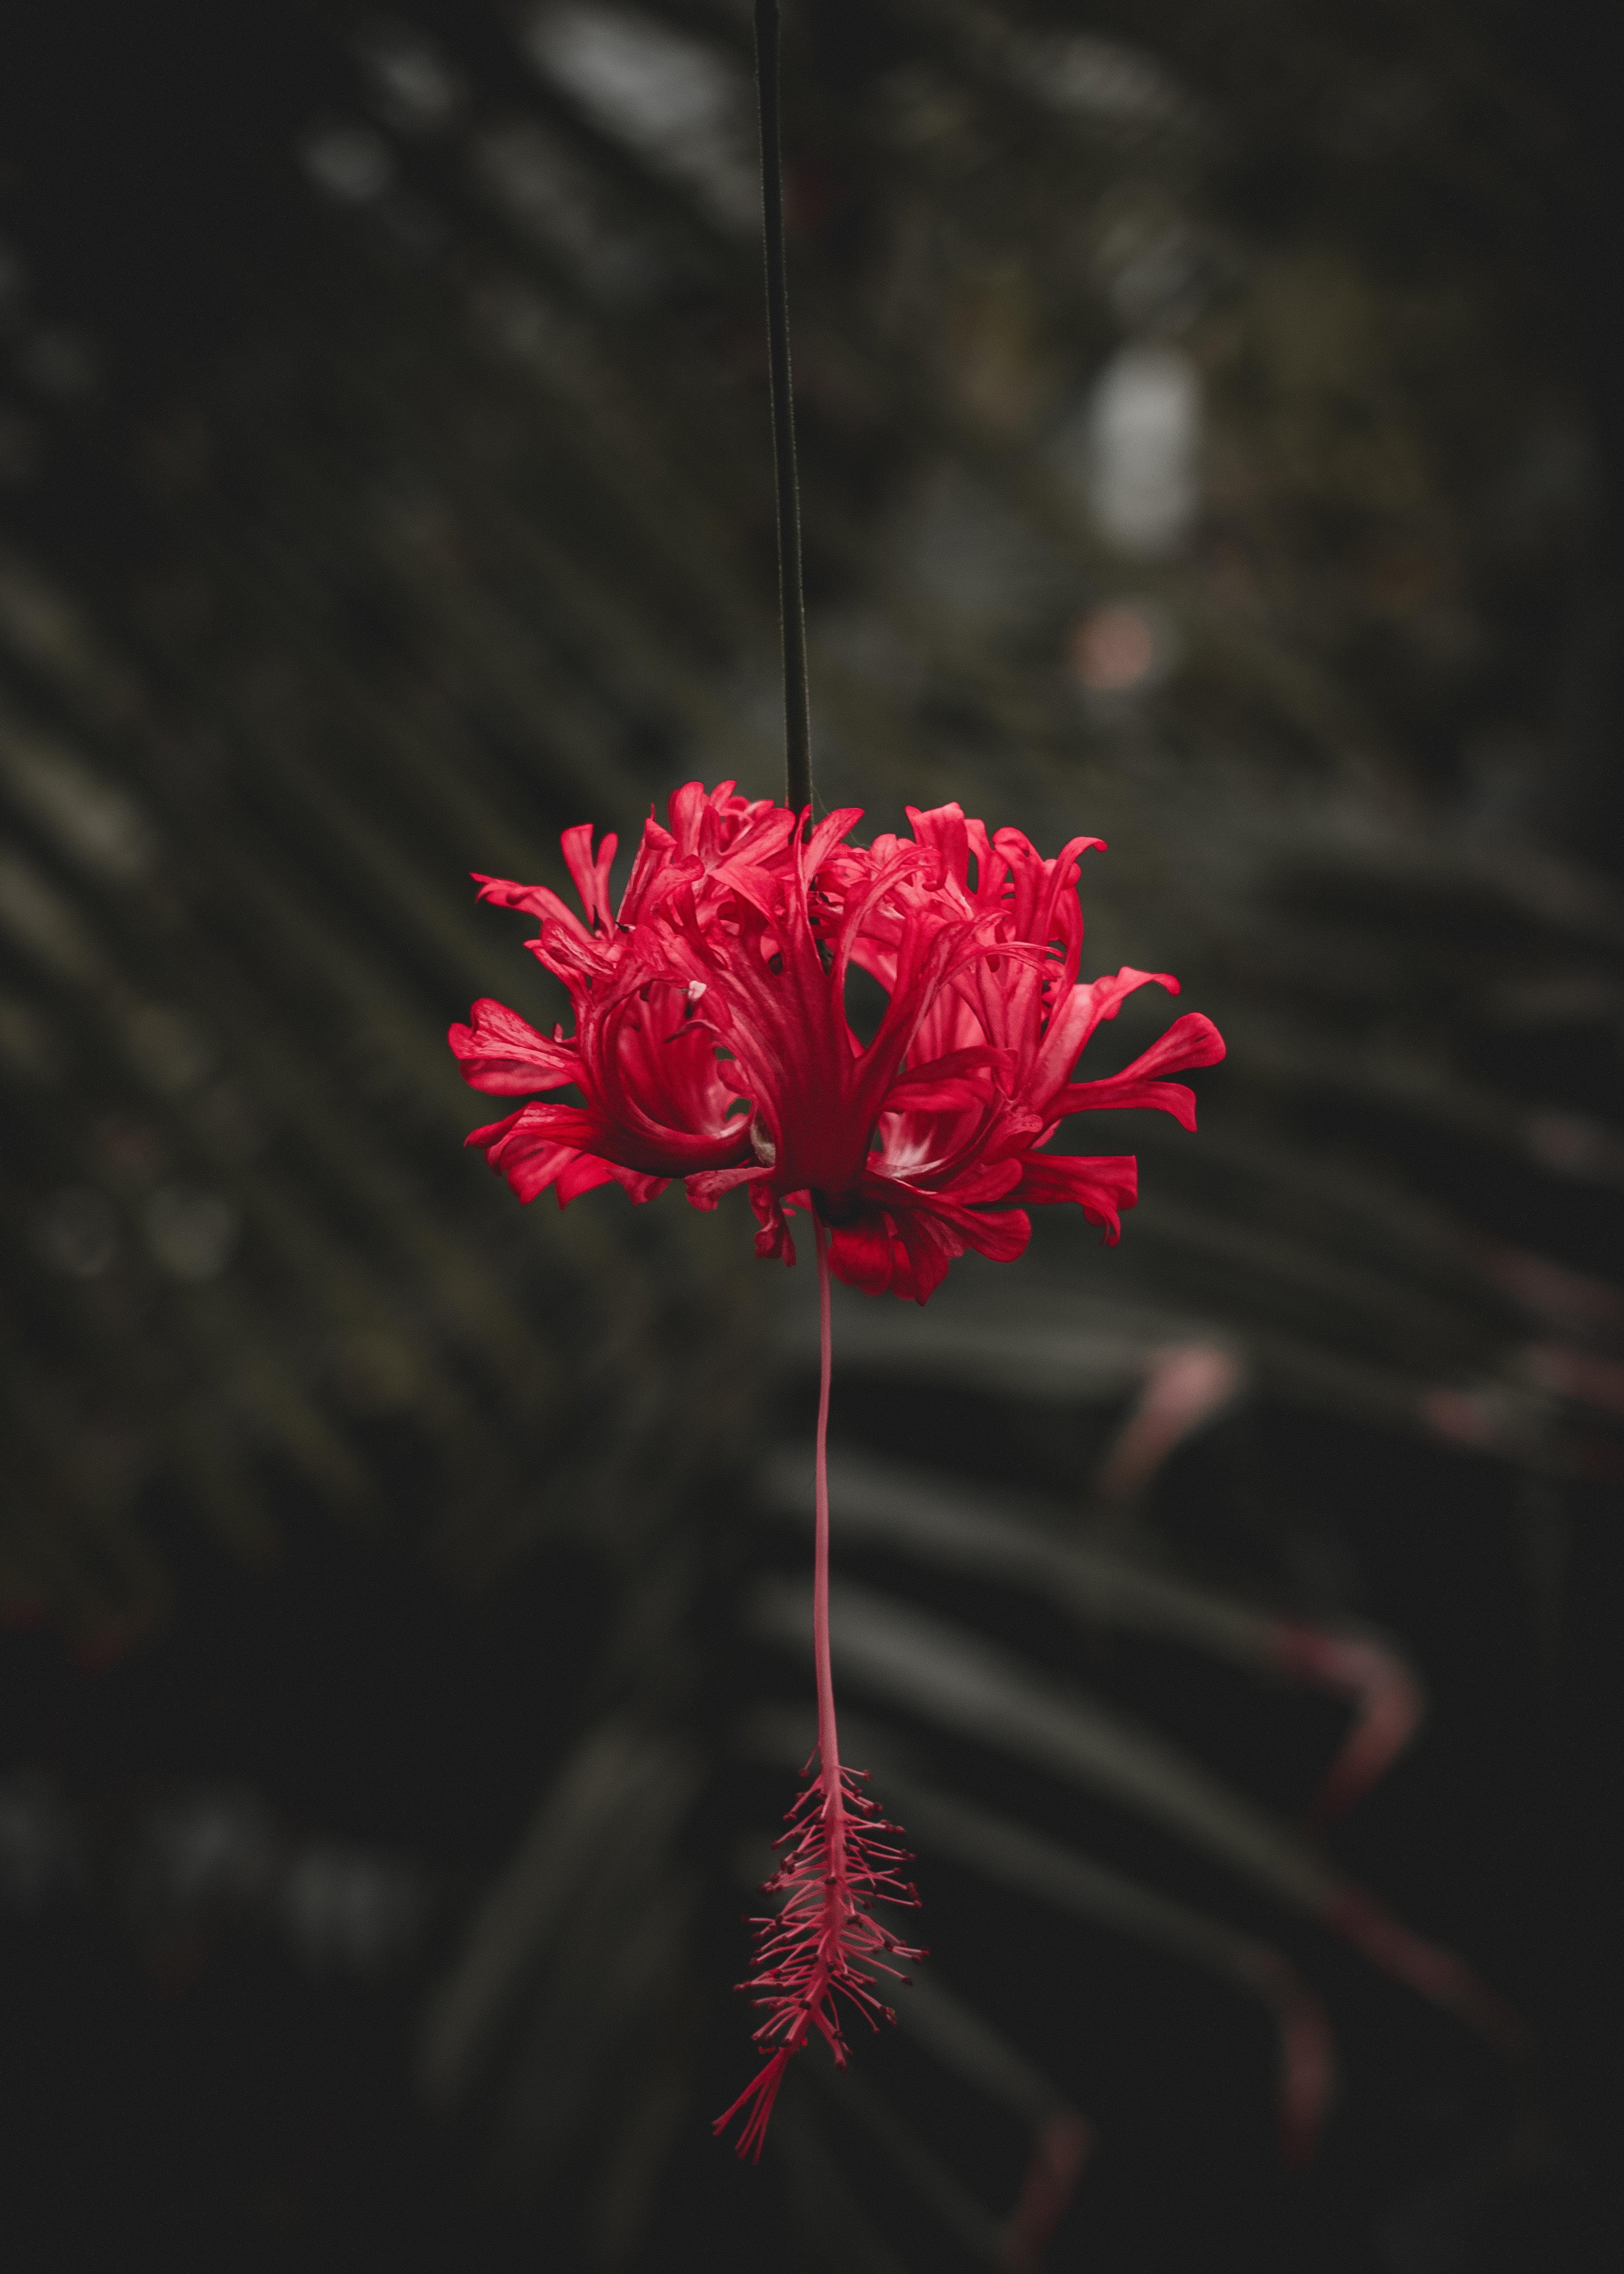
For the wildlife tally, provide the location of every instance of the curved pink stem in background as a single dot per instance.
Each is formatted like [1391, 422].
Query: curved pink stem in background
[1184, 1387]
[1065, 2143]
[1389, 1703]
[1307, 2071]
[1439, 1975]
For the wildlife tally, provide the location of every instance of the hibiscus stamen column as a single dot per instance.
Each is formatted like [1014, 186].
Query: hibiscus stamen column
[828, 1735]
[822, 1944]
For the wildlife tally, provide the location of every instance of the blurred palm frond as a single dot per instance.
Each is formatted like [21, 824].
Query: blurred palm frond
[447, 527]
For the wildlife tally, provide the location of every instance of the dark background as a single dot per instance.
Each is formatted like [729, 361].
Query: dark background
[1210, 432]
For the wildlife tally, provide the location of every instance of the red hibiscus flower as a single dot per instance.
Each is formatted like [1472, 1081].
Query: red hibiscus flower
[658, 1103]
[713, 1042]
[1026, 1007]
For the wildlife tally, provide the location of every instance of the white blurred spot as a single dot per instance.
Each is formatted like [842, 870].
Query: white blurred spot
[75, 1232]
[678, 102]
[1132, 453]
[350, 163]
[190, 1231]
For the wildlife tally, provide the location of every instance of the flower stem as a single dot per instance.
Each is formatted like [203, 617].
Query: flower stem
[792, 606]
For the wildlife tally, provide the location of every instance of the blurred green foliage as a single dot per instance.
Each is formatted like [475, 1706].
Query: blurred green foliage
[1209, 432]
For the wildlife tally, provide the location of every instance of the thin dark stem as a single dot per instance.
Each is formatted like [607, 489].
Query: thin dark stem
[792, 606]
